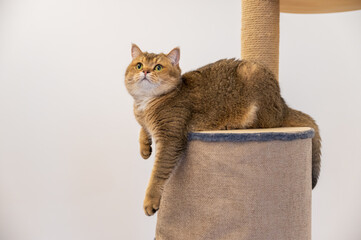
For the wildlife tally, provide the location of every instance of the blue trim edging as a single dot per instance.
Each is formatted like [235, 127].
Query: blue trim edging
[248, 137]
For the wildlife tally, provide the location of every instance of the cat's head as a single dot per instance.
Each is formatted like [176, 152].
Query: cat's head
[152, 75]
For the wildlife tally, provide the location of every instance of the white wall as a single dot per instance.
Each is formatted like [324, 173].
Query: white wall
[69, 162]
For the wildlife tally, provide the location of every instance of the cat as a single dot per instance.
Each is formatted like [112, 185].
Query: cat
[227, 94]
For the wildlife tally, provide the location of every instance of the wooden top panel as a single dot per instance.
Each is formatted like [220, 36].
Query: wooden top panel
[319, 6]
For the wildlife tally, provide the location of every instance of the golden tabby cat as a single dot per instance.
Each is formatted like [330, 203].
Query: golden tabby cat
[227, 94]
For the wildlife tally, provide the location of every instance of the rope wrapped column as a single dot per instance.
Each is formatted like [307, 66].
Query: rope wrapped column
[260, 32]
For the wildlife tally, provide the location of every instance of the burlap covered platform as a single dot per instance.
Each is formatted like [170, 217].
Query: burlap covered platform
[241, 185]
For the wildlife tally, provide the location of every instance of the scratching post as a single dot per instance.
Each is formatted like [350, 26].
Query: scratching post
[260, 32]
[247, 184]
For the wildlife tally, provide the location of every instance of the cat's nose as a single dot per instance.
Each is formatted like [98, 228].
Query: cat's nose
[145, 72]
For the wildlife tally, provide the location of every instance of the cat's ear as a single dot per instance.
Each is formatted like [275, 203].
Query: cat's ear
[174, 56]
[135, 51]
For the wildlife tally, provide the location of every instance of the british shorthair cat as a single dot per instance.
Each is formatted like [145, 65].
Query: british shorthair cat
[227, 94]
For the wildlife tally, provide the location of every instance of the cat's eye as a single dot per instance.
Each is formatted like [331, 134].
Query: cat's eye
[139, 66]
[158, 67]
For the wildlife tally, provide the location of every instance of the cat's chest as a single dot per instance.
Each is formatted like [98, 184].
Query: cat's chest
[145, 119]
[142, 104]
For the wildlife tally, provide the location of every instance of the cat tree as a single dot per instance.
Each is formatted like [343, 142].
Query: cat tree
[247, 184]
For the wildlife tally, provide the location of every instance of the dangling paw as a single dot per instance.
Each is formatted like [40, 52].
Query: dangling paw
[145, 150]
[151, 203]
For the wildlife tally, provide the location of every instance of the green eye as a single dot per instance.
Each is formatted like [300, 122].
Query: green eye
[139, 66]
[158, 67]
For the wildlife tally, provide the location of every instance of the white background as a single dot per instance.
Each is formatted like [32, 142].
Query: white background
[69, 162]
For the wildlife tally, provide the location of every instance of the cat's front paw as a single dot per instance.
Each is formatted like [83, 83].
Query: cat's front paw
[145, 150]
[151, 203]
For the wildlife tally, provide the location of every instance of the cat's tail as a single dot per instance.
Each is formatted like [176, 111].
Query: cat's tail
[294, 118]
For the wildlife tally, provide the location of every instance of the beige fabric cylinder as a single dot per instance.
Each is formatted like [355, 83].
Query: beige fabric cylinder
[260, 32]
[256, 188]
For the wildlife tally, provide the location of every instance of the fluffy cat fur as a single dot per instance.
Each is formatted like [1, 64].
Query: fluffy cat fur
[227, 94]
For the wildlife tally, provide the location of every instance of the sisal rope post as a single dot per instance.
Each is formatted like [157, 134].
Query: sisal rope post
[260, 32]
